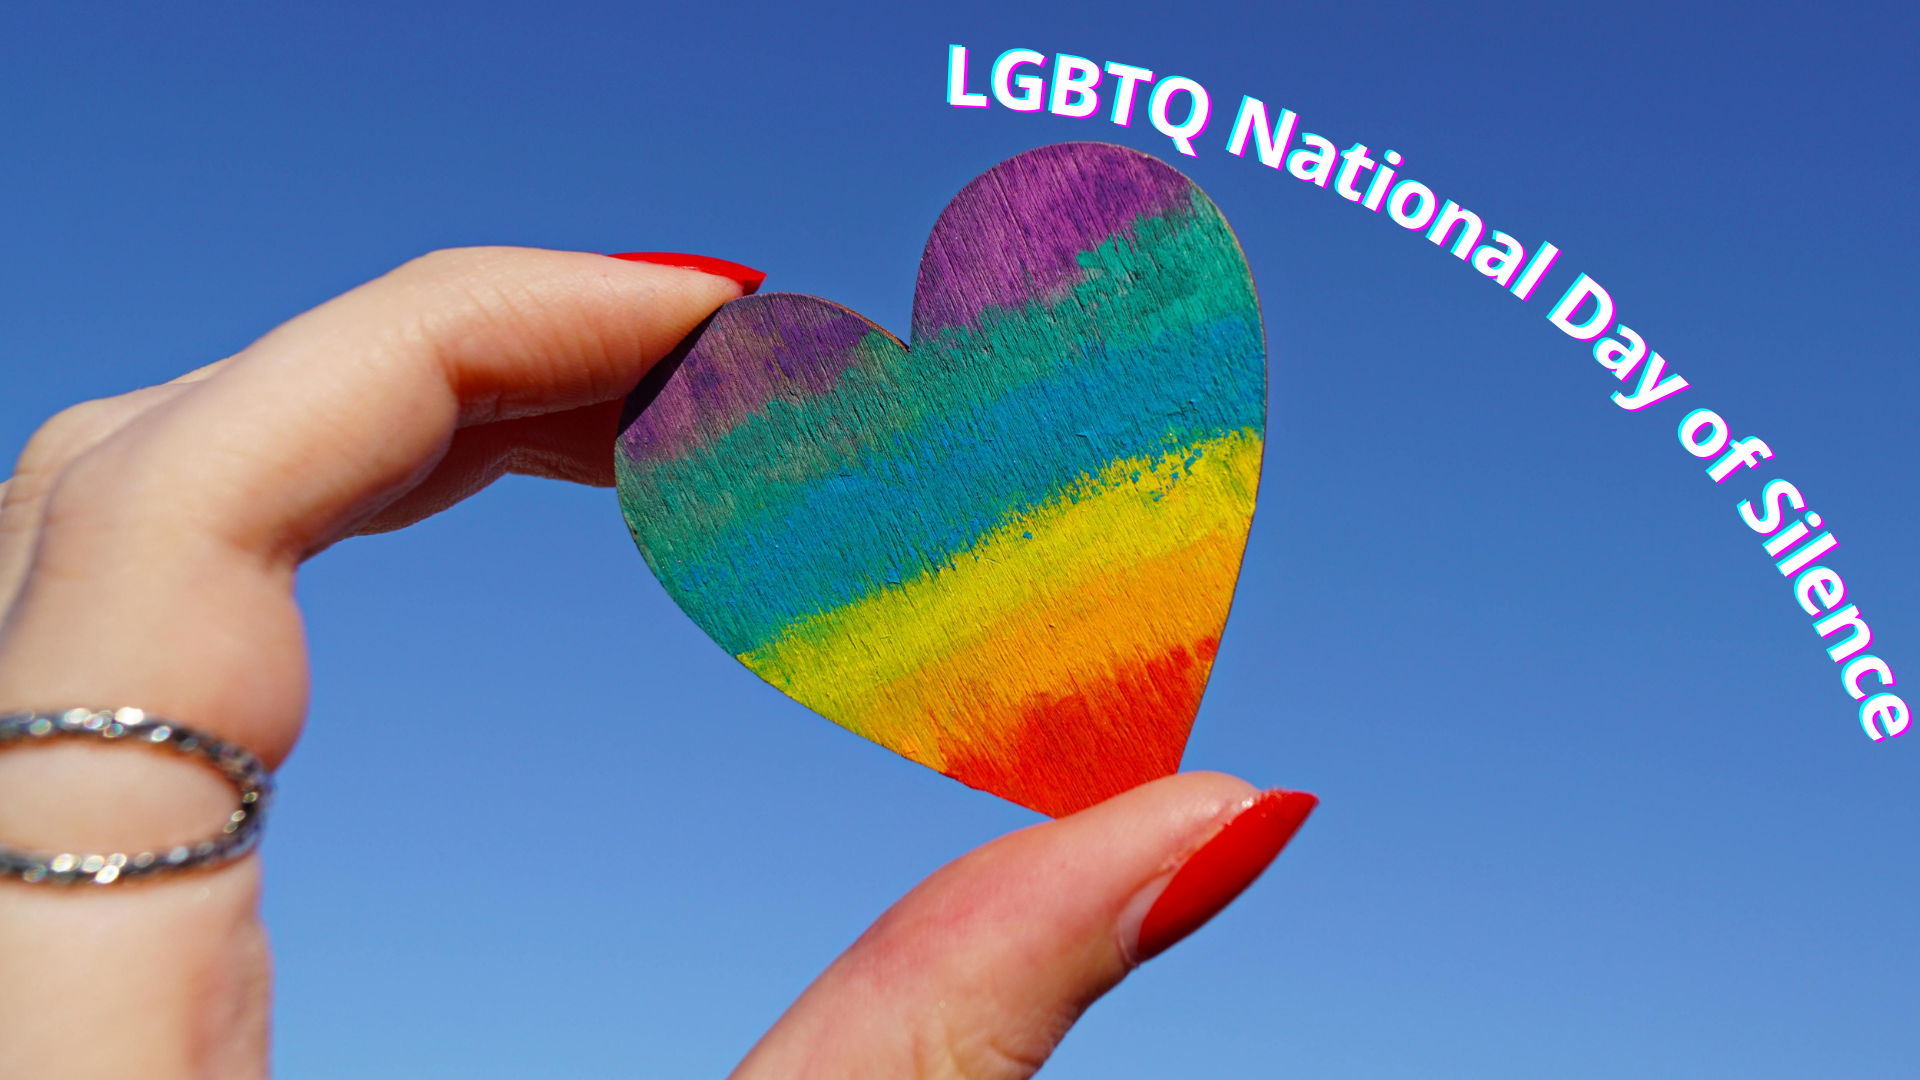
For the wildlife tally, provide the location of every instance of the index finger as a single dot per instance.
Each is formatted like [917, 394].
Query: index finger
[162, 572]
[360, 395]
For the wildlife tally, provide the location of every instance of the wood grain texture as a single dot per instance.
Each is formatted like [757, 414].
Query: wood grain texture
[1008, 553]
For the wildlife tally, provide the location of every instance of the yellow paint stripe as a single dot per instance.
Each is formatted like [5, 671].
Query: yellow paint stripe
[1116, 571]
[1065, 645]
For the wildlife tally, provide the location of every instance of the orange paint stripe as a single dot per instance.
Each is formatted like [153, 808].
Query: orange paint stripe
[1067, 643]
[1067, 752]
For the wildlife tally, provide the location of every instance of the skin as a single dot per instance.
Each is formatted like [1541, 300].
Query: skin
[148, 547]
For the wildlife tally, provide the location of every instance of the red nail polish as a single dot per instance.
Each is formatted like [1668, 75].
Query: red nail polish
[1223, 868]
[747, 276]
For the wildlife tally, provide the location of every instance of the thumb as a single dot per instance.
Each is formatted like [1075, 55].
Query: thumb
[979, 972]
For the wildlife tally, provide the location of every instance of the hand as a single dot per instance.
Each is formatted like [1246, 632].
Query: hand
[148, 546]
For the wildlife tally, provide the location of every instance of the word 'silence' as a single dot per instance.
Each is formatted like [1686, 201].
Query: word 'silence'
[1793, 548]
[1180, 108]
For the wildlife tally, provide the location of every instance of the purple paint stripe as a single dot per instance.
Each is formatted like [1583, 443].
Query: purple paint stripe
[1015, 233]
[774, 346]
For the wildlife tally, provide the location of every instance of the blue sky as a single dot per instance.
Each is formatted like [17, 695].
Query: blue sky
[1594, 803]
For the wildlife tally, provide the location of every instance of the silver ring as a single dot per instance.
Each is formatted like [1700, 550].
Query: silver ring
[240, 835]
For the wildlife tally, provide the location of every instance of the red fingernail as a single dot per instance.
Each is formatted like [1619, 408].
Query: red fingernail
[1223, 868]
[747, 276]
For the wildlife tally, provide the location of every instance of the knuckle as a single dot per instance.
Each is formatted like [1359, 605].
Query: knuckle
[440, 263]
[456, 264]
[457, 290]
[65, 435]
[70, 496]
[70, 435]
[980, 1062]
[951, 1052]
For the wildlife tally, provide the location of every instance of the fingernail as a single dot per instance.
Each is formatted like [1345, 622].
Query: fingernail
[748, 278]
[1222, 869]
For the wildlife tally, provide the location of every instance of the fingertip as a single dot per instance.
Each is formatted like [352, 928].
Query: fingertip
[1215, 874]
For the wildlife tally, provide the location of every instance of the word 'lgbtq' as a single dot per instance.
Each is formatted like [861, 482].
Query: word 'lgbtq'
[1075, 89]
[1180, 108]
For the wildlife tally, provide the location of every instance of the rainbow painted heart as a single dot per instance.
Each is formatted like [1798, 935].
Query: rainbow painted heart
[1008, 553]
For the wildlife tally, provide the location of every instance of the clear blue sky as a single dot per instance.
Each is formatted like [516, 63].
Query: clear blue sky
[1594, 802]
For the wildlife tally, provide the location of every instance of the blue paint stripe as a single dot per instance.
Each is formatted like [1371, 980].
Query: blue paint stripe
[943, 485]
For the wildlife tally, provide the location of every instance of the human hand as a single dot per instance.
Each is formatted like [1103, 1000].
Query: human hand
[148, 546]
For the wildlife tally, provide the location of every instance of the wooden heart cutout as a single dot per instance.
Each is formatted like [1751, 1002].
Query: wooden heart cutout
[1008, 553]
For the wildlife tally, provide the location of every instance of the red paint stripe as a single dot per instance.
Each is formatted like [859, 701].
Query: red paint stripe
[1066, 753]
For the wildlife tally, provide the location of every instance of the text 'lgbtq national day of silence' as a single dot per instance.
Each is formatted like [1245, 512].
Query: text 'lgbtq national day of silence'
[1180, 108]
